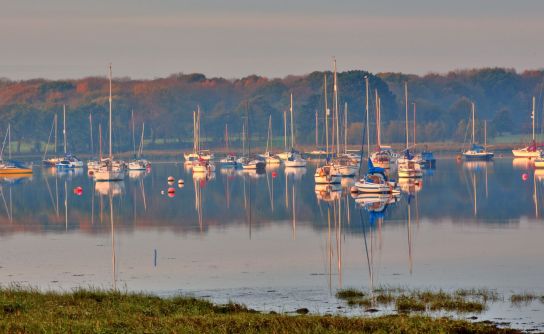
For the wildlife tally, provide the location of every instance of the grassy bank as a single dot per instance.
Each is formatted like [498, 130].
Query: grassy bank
[24, 311]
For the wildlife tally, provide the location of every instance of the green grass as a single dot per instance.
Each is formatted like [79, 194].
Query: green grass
[94, 311]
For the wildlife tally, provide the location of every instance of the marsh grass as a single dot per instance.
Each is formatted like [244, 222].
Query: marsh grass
[461, 301]
[525, 298]
[95, 311]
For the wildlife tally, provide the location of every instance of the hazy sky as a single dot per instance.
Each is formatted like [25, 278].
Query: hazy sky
[234, 38]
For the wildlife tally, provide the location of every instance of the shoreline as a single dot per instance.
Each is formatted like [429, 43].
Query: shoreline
[30, 310]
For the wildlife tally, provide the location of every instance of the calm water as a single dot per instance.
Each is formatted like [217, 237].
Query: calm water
[274, 241]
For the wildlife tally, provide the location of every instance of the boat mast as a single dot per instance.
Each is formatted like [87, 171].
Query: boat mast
[533, 117]
[91, 131]
[406, 107]
[292, 128]
[346, 128]
[285, 130]
[336, 107]
[227, 137]
[316, 129]
[473, 137]
[414, 125]
[485, 134]
[141, 150]
[133, 135]
[100, 140]
[9, 140]
[248, 131]
[56, 130]
[326, 113]
[244, 138]
[378, 103]
[194, 131]
[64, 126]
[367, 117]
[111, 155]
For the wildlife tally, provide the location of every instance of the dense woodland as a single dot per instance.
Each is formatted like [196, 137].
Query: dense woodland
[166, 105]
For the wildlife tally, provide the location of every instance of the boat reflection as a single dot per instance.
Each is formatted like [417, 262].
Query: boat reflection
[105, 188]
[477, 165]
[15, 179]
[296, 172]
[410, 185]
[204, 176]
[328, 192]
[523, 163]
[347, 182]
[137, 174]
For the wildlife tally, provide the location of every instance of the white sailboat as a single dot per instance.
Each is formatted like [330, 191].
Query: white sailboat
[477, 152]
[52, 161]
[138, 163]
[532, 151]
[376, 180]
[69, 160]
[294, 158]
[202, 163]
[198, 153]
[384, 155]
[109, 169]
[247, 162]
[230, 160]
[326, 174]
[93, 164]
[408, 166]
[269, 157]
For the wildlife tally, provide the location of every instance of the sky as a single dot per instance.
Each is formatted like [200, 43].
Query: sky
[68, 39]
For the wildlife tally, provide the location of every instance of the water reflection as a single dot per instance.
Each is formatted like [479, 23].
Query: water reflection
[274, 231]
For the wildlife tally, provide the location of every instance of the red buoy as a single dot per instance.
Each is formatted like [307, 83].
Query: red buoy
[78, 191]
[274, 174]
[525, 176]
[171, 192]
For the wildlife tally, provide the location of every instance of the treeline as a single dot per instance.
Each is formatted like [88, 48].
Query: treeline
[166, 105]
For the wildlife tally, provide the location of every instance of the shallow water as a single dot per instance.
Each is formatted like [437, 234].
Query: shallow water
[274, 241]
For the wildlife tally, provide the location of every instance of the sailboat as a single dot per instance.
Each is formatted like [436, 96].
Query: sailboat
[247, 162]
[52, 162]
[269, 157]
[326, 174]
[11, 167]
[294, 158]
[94, 164]
[477, 152]
[384, 155]
[197, 153]
[531, 151]
[408, 166]
[109, 169]
[139, 163]
[230, 160]
[69, 160]
[376, 181]
[202, 163]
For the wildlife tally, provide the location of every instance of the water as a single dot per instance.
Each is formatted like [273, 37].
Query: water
[275, 243]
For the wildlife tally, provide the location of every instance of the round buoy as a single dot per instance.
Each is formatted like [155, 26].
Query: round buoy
[170, 179]
[171, 192]
[525, 176]
[180, 181]
[162, 192]
[274, 174]
[78, 191]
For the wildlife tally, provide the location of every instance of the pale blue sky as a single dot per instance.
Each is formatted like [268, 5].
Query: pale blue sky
[234, 38]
